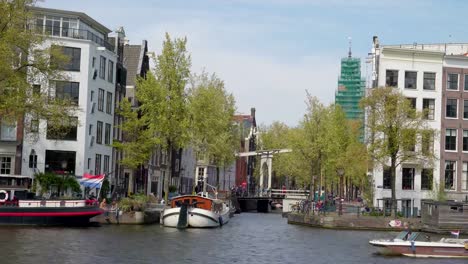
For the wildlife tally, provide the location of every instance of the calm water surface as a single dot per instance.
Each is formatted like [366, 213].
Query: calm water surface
[248, 238]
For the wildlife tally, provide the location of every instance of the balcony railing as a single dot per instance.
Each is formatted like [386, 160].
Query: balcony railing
[71, 33]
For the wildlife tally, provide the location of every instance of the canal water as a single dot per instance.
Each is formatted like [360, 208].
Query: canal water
[247, 238]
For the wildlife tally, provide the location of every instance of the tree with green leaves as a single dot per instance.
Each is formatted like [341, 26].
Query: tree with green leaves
[26, 67]
[344, 152]
[212, 131]
[394, 127]
[161, 119]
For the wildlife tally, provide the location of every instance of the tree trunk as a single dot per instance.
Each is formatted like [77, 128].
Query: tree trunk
[312, 184]
[169, 172]
[393, 184]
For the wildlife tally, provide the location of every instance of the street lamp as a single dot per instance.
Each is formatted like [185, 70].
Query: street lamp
[340, 172]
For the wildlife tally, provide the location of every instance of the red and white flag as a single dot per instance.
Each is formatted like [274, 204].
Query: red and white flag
[92, 181]
[455, 233]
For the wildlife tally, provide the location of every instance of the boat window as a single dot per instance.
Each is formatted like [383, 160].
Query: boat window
[177, 203]
[456, 209]
[186, 201]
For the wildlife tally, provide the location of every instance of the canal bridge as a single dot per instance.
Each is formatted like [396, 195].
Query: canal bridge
[262, 202]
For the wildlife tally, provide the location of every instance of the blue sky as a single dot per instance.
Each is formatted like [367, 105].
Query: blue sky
[269, 52]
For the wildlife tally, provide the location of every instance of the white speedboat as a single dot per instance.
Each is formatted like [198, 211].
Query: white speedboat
[196, 211]
[408, 244]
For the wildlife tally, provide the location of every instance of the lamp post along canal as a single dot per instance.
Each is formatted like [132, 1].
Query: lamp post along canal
[340, 172]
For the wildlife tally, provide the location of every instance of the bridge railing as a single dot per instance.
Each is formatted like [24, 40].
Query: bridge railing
[284, 193]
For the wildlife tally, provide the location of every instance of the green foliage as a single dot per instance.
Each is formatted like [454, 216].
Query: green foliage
[162, 94]
[211, 110]
[62, 182]
[438, 193]
[105, 188]
[323, 142]
[24, 61]
[161, 116]
[139, 141]
[172, 188]
[136, 203]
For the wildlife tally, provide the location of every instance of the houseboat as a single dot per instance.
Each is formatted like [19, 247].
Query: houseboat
[196, 211]
[18, 206]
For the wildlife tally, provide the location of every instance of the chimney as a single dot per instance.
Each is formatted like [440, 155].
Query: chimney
[375, 40]
[252, 112]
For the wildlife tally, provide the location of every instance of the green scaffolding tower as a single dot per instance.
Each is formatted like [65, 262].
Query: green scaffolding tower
[351, 88]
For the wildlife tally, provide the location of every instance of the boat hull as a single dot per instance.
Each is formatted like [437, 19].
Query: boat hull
[47, 216]
[424, 249]
[197, 218]
[171, 217]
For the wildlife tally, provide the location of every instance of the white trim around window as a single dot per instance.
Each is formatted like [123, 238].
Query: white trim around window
[458, 82]
[456, 110]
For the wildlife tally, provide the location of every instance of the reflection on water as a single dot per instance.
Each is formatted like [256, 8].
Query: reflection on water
[247, 238]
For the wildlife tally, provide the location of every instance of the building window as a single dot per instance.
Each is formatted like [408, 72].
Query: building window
[450, 139]
[8, 131]
[465, 109]
[52, 26]
[33, 159]
[407, 180]
[34, 126]
[99, 132]
[426, 179]
[60, 162]
[89, 163]
[109, 103]
[465, 140]
[464, 179]
[107, 134]
[74, 58]
[412, 103]
[102, 68]
[66, 130]
[450, 174]
[428, 108]
[5, 165]
[410, 79]
[110, 74]
[106, 163]
[427, 142]
[391, 78]
[409, 139]
[90, 132]
[98, 164]
[387, 176]
[452, 81]
[67, 91]
[92, 96]
[94, 62]
[429, 81]
[101, 100]
[36, 89]
[451, 108]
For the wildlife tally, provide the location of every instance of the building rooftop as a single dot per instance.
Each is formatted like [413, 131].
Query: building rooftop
[131, 61]
[134, 60]
[446, 48]
[72, 14]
